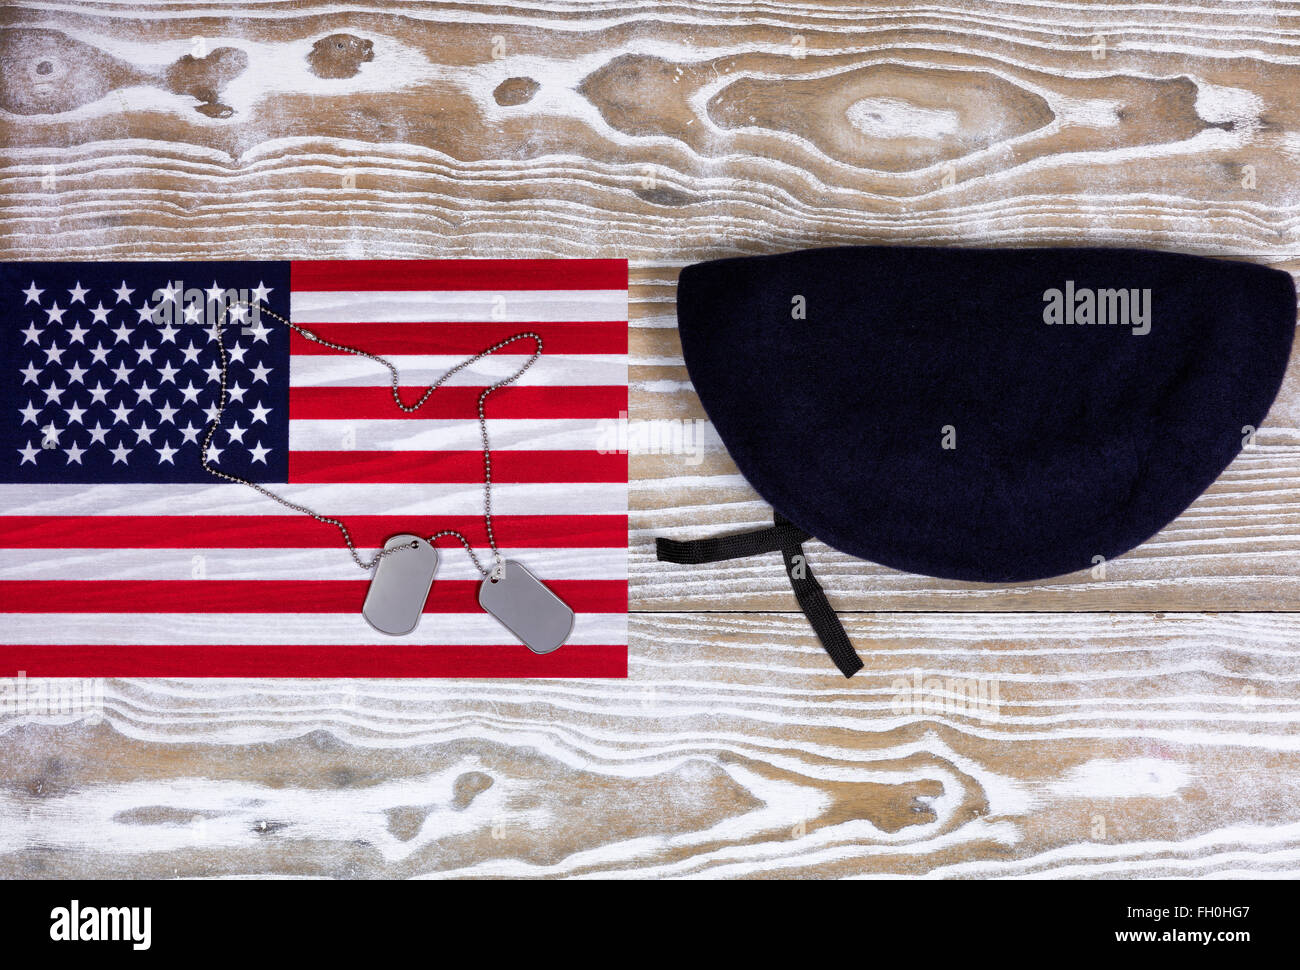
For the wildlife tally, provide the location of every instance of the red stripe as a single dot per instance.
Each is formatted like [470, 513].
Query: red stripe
[370, 275]
[508, 467]
[269, 596]
[299, 660]
[299, 532]
[358, 403]
[609, 337]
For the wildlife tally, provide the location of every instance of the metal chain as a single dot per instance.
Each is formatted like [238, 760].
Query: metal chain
[493, 573]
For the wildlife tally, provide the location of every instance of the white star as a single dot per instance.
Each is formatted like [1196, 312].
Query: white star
[167, 293]
[33, 335]
[33, 294]
[191, 354]
[29, 454]
[214, 373]
[30, 373]
[123, 293]
[168, 334]
[55, 314]
[165, 454]
[236, 433]
[98, 434]
[213, 453]
[100, 313]
[165, 413]
[146, 313]
[98, 393]
[260, 413]
[215, 292]
[144, 393]
[258, 333]
[51, 433]
[261, 292]
[74, 453]
[212, 412]
[123, 333]
[77, 293]
[260, 373]
[52, 393]
[143, 433]
[75, 373]
[120, 453]
[53, 355]
[121, 413]
[190, 393]
[100, 353]
[260, 453]
[122, 373]
[190, 433]
[239, 313]
[145, 354]
[237, 353]
[193, 313]
[74, 414]
[168, 373]
[236, 392]
[30, 413]
[76, 333]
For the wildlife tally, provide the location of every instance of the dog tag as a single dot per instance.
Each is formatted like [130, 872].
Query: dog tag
[527, 608]
[401, 585]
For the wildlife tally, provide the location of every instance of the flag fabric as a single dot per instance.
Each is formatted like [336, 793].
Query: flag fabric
[122, 556]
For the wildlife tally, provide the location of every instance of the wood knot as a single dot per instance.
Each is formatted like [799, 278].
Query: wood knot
[515, 90]
[340, 55]
[204, 77]
[468, 787]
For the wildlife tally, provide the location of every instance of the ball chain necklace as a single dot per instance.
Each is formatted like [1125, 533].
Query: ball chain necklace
[404, 567]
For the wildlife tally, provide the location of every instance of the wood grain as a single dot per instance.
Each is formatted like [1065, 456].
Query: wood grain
[1153, 735]
[1074, 745]
[664, 137]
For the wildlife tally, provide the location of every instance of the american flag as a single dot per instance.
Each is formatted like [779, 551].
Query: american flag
[122, 556]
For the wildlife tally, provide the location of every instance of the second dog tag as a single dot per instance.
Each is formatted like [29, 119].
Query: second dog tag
[527, 608]
[402, 581]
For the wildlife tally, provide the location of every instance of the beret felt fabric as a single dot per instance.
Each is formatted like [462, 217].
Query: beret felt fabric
[1065, 441]
[981, 414]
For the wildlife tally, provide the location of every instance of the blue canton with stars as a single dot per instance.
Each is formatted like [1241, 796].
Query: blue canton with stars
[102, 387]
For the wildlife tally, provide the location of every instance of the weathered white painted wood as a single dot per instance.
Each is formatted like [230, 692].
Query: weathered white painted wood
[971, 744]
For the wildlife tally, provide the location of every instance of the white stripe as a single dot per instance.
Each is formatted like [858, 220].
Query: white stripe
[281, 564]
[467, 306]
[550, 370]
[452, 434]
[325, 629]
[602, 498]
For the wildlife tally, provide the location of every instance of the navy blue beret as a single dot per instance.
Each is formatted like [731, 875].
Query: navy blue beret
[987, 415]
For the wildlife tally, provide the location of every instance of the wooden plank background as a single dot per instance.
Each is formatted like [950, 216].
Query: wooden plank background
[1140, 724]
